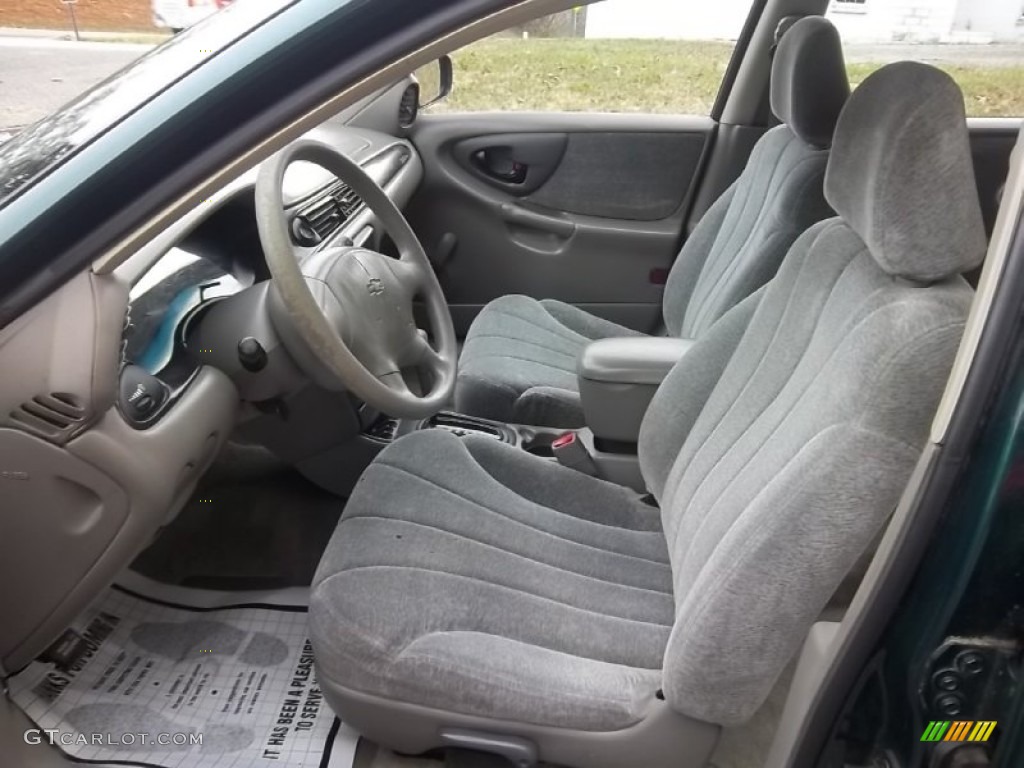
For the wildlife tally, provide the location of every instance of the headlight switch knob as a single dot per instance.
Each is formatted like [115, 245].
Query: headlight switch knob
[252, 355]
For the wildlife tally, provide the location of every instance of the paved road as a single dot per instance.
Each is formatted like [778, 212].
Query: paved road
[1000, 55]
[38, 76]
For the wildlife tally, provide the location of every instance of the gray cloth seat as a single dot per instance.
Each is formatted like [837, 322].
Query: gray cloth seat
[519, 360]
[490, 556]
[471, 586]
[518, 363]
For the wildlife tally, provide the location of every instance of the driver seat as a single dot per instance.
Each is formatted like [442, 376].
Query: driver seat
[476, 595]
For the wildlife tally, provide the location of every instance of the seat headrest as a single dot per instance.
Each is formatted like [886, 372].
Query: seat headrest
[809, 83]
[901, 175]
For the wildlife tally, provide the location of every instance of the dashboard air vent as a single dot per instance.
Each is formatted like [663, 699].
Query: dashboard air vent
[322, 217]
[54, 417]
[409, 106]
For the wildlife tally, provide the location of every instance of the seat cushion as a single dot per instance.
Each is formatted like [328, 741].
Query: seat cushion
[471, 577]
[519, 361]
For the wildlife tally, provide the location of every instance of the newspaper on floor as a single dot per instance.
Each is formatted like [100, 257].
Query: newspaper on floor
[150, 683]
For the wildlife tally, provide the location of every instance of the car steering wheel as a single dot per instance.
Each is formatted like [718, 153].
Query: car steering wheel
[353, 307]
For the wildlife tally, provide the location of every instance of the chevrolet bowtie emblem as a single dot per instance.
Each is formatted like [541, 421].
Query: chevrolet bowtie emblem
[375, 286]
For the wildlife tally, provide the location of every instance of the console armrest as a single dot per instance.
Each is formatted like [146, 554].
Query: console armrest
[618, 377]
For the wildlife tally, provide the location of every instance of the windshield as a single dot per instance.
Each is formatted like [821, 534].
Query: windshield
[39, 148]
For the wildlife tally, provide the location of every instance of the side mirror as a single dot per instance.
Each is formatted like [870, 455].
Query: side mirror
[435, 80]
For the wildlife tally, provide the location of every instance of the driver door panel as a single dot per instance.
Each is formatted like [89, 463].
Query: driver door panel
[588, 209]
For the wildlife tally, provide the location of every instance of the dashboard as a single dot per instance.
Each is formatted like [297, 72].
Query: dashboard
[155, 364]
[115, 401]
[220, 255]
[168, 294]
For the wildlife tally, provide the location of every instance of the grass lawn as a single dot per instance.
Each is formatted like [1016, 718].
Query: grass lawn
[988, 91]
[571, 74]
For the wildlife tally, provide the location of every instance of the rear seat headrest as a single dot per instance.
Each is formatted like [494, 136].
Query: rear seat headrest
[901, 175]
[809, 83]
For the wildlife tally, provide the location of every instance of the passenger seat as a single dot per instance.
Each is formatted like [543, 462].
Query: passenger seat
[519, 360]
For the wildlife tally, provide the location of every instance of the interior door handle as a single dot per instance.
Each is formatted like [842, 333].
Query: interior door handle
[500, 163]
[513, 213]
[516, 163]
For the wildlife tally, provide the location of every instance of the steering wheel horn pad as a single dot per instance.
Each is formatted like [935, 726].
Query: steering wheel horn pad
[353, 307]
[376, 321]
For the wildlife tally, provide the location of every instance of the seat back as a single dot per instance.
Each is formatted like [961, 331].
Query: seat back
[739, 243]
[774, 478]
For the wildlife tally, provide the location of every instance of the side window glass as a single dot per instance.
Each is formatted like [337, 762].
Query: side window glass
[667, 56]
[980, 43]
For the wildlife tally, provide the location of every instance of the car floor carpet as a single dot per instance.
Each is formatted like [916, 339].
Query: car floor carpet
[252, 523]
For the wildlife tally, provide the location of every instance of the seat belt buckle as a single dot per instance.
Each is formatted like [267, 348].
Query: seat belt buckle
[570, 452]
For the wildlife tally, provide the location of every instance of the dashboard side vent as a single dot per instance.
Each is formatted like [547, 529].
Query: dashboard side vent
[54, 417]
[348, 200]
[409, 106]
[322, 217]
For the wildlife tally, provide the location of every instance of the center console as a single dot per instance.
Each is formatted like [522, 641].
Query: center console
[535, 440]
[617, 379]
[577, 449]
[619, 376]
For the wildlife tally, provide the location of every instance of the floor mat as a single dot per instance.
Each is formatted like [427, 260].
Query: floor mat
[253, 523]
[153, 678]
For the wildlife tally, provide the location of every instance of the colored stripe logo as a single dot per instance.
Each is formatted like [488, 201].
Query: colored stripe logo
[958, 730]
